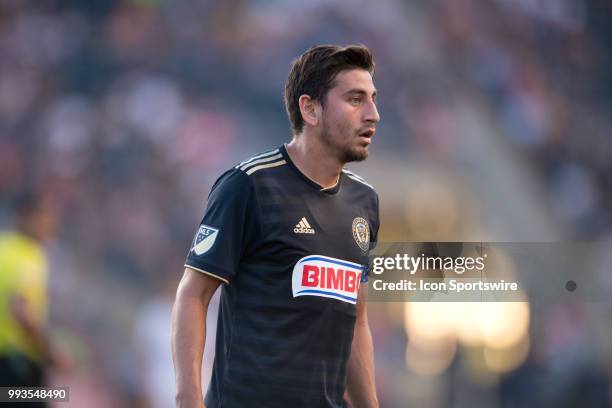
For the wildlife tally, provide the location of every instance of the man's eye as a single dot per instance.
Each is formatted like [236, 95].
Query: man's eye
[355, 100]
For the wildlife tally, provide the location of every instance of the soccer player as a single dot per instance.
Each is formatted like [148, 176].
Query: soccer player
[25, 345]
[287, 233]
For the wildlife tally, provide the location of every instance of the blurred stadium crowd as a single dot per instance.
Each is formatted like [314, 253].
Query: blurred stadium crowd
[125, 112]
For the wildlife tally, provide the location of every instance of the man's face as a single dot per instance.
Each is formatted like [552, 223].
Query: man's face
[349, 115]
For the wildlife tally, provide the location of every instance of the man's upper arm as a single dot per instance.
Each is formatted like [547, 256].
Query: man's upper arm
[197, 284]
[362, 313]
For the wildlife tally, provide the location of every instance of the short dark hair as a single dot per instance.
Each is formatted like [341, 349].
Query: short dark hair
[313, 74]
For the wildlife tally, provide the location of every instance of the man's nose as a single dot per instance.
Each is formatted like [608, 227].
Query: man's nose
[371, 113]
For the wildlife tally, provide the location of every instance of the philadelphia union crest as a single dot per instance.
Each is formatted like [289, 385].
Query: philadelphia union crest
[204, 239]
[361, 233]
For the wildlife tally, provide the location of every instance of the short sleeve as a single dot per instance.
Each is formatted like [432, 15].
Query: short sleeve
[228, 226]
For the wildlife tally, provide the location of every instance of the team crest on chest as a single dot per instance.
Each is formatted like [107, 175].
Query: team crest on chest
[361, 233]
[204, 239]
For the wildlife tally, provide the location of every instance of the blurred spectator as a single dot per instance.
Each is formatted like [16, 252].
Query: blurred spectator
[151, 343]
[25, 344]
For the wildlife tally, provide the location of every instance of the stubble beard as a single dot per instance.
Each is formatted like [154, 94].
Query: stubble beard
[345, 154]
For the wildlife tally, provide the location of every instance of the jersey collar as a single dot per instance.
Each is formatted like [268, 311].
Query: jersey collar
[330, 190]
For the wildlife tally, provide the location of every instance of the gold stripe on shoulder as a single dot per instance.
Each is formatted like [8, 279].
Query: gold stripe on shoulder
[259, 156]
[265, 166]
[264, 160]
[207, 273]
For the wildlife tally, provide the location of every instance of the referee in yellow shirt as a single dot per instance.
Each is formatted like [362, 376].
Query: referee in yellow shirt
[24, 344]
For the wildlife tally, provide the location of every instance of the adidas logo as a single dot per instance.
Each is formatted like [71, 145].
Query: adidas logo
[303, 227]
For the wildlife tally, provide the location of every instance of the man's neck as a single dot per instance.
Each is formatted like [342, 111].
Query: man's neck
[313, 159]
[26, 231]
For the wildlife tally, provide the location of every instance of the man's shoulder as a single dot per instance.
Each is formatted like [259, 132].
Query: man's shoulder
[261, 161]
[17, 250]
[16, 242]
[240, 176]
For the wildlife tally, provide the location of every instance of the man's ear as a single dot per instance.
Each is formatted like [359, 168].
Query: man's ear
[310, 109]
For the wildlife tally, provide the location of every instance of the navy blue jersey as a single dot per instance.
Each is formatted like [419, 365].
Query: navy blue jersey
[292, 256]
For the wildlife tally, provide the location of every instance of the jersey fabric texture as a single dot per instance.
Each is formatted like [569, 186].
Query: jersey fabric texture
[292, 256]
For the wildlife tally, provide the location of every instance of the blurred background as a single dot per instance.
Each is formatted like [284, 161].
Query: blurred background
[496, 126]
